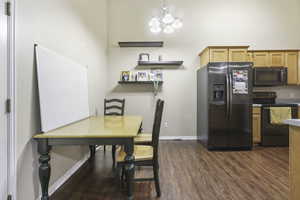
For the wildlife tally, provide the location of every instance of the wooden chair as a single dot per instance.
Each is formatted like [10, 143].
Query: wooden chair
[112, 107]
[146, 155]
[143, 139]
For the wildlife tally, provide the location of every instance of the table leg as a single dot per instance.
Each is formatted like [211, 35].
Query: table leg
[92, 151]
[129, 169]
[44, 169]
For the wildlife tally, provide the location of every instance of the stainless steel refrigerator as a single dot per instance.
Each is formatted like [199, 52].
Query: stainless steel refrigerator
[224, 105]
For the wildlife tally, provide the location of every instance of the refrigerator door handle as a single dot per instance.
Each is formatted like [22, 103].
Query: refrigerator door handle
[230, 95]
[227, 96]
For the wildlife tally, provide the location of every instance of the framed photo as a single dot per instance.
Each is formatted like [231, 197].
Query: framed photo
[156, 75]
[133, 76]
[142, 76]
[144, 57]
[125, 75]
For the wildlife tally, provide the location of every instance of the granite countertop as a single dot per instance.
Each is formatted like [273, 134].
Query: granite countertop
[282, 101]
[293, 101]
[256, 105]
[292, 122]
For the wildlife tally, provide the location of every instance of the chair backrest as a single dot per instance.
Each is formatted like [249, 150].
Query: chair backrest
[114, 107]
[156, 125]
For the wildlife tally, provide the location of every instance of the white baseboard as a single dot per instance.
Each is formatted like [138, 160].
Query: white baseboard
[178, 137]
[57, 184]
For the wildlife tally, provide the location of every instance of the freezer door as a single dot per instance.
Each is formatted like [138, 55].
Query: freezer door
[218, 99]
[240, 116]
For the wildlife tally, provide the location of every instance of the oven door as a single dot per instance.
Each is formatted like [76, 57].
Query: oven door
[274, 134]
[270, 76]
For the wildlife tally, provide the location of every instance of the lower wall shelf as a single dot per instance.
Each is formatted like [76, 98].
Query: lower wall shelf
[138, 82]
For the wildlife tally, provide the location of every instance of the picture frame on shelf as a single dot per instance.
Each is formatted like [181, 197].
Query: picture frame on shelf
[144, 57]
[133, 76]
[125, 75]
[142, 76]
[156, 75]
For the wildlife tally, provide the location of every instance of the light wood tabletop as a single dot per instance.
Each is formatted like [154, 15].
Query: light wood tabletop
[98, 127]
[105, 130]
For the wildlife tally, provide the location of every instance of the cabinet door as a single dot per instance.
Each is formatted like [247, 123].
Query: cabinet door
[256, 128]
[277, 59]
[218, 55]
[261, 59]
[291, 61]
[204, 58]
[249, 57]
[237, 55]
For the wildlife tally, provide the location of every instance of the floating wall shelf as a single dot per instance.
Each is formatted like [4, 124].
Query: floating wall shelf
[142, 44]
[138, 82]
[176, 63]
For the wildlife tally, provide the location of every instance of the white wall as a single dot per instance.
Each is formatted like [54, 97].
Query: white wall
[263, 24]
[76, 29]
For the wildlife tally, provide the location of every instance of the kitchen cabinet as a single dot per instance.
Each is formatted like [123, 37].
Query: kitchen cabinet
[294, 163]
[298, 68]
[260, 59]
[249, 57]
[277, 58]
[256, 123]
[218, 55]
[237, 55]
[223, 54]
[291, 62]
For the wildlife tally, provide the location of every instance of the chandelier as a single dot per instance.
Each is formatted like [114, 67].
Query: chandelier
[166, 22]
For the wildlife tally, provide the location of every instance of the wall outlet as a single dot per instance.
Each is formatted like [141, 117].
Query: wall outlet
[166, 125]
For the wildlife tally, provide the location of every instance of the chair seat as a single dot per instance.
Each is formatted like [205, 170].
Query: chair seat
[141, 153]
[142, 138]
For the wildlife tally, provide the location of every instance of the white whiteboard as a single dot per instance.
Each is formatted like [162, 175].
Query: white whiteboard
[63, 89]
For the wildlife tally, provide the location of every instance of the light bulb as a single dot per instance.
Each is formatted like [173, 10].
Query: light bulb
[155, 29]
[168, 18]
[154, 22]
[177, 23]
[168, 29]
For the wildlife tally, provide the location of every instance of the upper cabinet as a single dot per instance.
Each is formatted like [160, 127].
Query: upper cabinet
[260, 58]
[218, 55]
[277, 58]
[238, 54]
[291, 62]
[223, 54]
[270, 58]
[249, 57]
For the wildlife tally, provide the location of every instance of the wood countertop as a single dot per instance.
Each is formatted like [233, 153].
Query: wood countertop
[97, 127]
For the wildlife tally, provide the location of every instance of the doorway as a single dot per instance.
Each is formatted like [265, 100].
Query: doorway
[7, 102]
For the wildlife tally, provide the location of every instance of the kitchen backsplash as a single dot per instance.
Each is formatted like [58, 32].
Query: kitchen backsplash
[284, 92]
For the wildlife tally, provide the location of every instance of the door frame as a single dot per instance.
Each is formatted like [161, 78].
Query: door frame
[12, 161]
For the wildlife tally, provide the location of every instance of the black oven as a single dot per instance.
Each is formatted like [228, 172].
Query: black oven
[275, 134]
[269, 76]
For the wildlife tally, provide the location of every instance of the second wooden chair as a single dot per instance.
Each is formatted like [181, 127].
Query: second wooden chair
[147, 155]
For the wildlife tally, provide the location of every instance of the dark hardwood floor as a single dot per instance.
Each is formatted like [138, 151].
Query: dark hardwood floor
[190, 172]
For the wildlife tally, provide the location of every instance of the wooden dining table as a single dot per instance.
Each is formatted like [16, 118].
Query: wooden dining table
[104, 130]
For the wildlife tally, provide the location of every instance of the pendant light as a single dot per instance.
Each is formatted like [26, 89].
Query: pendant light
[166, 22]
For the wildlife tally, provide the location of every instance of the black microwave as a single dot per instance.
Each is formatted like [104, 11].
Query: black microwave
[269, 76]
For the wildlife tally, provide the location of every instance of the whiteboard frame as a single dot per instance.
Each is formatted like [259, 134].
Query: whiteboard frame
[56, 108]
